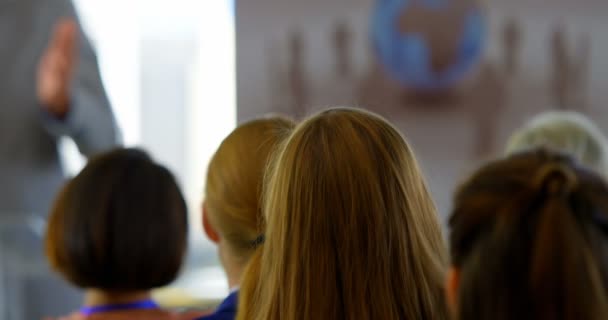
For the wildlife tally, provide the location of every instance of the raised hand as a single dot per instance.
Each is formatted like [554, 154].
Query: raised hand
[56, 69]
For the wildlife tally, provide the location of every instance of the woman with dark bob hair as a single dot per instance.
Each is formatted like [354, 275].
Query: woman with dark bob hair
[118, 230]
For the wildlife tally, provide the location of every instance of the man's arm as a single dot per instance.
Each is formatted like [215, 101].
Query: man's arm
[70, 90]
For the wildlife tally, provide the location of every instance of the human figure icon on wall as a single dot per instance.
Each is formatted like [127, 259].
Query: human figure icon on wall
[297, 78]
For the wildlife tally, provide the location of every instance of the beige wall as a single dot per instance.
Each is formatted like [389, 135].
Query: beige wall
[444, 137]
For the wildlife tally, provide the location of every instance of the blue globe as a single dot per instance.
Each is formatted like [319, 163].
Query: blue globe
[428, 45]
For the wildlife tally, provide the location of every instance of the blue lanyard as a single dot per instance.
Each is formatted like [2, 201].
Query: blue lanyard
[139, 305]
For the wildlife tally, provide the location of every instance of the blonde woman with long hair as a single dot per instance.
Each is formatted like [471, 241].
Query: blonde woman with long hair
[232, 208]
[352, 231]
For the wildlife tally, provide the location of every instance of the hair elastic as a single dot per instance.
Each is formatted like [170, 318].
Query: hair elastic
[258, 241]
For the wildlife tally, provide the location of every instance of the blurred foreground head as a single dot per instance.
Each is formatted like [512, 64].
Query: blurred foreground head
[120, 225]
[529, 240]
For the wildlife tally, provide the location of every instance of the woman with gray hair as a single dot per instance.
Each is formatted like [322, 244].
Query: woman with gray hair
[568, 132]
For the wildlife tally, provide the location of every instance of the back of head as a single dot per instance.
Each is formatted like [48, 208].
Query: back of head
[120, 225]
[528, 236]
[235, 179]
[352, 232]
[568, 132]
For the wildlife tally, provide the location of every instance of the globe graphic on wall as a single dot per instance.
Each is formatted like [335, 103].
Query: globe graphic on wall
[428, 45]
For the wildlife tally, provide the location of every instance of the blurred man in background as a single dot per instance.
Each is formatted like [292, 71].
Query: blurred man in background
[50, 87]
